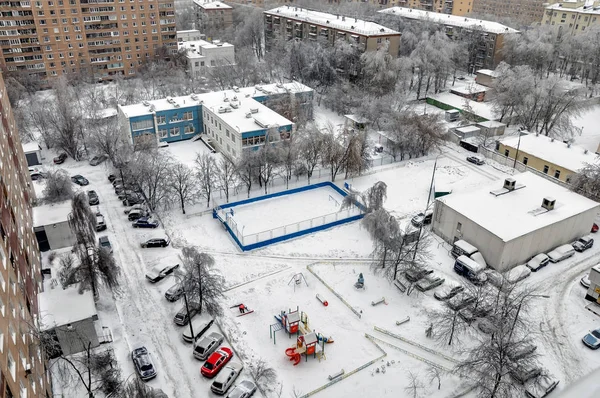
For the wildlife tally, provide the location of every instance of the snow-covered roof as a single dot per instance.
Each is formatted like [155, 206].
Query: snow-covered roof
[51, 214]
[488, 72]
[586, 8]
[194, 45]
[356, 118]
[31, 147]
[511, 215]
[543, 147]
[101, 113]
[449, 20]
[481, 109]
[214, 98]
[467, 129]
[472, 88]
[490, 124]
[212, 5]
[60, 307]
[338, 22]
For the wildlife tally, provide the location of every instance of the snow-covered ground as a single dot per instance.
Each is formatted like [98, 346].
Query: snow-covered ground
[590, 129]
[138, 312]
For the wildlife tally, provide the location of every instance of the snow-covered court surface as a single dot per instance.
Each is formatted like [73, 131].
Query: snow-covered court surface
[286, 211]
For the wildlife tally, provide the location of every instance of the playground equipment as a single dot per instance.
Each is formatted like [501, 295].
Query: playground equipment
[379, 301]
[307, 344]
[243, 309]
[398, 323]
[323, 301]
[297, 279]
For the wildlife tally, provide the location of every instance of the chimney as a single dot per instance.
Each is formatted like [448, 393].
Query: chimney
[548, 203]
[509, 184]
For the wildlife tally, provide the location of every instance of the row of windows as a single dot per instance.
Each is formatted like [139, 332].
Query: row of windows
[546, 168]
[175, 118]
[175, 131]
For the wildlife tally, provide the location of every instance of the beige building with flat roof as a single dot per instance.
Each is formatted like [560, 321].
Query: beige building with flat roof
[572, 16]
[526, 11]
[302, 24]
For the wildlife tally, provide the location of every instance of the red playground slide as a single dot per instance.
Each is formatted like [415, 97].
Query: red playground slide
[294, 356]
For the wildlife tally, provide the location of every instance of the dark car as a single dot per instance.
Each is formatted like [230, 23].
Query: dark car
[143, 363]
[182, 317]
[583, 243]
[93, 198]
[116, 181]
[457, 303]
[160, 272]
[96, 160]
[174, 293]
[156, 242]
[37, 174]
[145, 222]
[595, 228]
[136, 214]
[476, 160]
[60, 159]
[131, 200]
[104, 243]
[122, 192]
[422, 219]
[79, 180]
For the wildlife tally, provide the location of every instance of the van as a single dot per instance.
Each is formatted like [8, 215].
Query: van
[561, 253]
[463, 248]
[226, 377]
[470, 269]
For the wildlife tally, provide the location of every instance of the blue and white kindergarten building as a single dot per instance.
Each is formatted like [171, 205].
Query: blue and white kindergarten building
[234, 120]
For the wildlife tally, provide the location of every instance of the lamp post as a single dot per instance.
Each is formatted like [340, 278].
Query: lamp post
[519, 310]
[517, 154]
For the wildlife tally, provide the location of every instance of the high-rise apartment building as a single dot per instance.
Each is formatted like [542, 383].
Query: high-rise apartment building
[22, 367]
[525, 11]
[50, 38]
[572, 16]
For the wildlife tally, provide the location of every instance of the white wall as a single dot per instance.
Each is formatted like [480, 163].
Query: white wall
[217, 128]
[59, 235]
[218, 55]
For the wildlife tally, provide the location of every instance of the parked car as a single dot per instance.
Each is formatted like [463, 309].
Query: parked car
[429, 282]
[93, 198]
[592, 339]
[36, 174]
[122, 194]
[60, 159]
[206, 345]
[226, 377]
[475, 160]
[486, 326]
[182, 318]
[79, 180]
[416, 274]
[520, 351]
[524, 373]
[583, 243]
[517, 274]
[133, 200]
[156, 242]
[200, 326]
[422, 219]
[538, 262]
[134, 207]
[447, 292]
[174, 293]
[100, 223]
[561, 253]
[459, 302]
[96, 160]
[585, 281]
[116, 181]
[216, 361]
[104, 243]
[160, 272]
[111, 178]
[143, 363]
[470, 269]
[595, 228]
[469, 314]
[135, 214]
[540, 386]
[244, 389]
[145, 222]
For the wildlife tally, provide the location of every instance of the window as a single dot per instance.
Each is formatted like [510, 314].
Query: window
[227, 133]
[189, 129]
[12, 366]
[162, 133]
[174, 131]
[13, 334]
[2, 307]
[187, 116]
[142, 124]
[557, 174]
[458, 227]
[161, 119]
[546, 168]
[506, 152]
[525, 160]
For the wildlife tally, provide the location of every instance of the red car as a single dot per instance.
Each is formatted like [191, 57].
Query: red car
[595, 227]
[216, 361]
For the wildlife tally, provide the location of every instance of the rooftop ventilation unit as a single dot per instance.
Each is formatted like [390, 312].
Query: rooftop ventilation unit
[225, 99]
[548, 203]
[146, 103]
[510, 184]
[248, 115]
[224, 109]
[234, 105]
[254, 110]
[194, 97]
[169, 99]
[261, 123]
[152, 108]
[176, 105]
[236, 89]
[235, 98]
[279, 85]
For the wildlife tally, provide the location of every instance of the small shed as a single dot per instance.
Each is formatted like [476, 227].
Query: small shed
[69, 317]
[33, 153]
[452, 115]
[51, 226]
[471, 144]
[486, 77]
[475, 92]
[356, 122]
[491, 128]
[467, 131]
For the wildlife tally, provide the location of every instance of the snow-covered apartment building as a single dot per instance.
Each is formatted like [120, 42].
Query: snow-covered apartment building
[572, 16]
[489, 47]
[235, 120]
[301, 24]
[513, 221]
[201, 55]
[547, 155]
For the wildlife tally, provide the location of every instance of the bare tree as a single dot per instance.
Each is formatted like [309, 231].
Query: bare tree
[268, 160]
[311, 146]
[226, 176]
[264, 375]
[586, 182]
[288, 153]
[449, 326]
[58, 186]
[333, 152]
[203, 283]
[435, 374]
[245, 170]
[136, 388]
[150, 171]
[206, 168]
[415, 385]
[182, 183]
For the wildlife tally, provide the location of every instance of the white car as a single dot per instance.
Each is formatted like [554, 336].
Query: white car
[244, 389]
[538, 262]
[561, 253]
[517, 274]
[159, 272]
[226, 377]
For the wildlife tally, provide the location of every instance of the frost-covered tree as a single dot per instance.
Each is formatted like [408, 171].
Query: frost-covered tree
[310, 148]
[182, 183]
[203, 283]
[586, 181]
[149, 171]
[206, 169]
[226, 176]
[58, 186]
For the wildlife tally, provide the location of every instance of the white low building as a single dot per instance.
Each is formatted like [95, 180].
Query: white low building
[202, 55]
[33, 153]
[51, 226]
[510, 223]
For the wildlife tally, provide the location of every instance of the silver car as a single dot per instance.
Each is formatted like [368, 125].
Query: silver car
[226, 377]
[538, 262]
[205, 346]
[244, 389]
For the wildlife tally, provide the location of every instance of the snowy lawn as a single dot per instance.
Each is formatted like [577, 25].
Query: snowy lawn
[590, 133]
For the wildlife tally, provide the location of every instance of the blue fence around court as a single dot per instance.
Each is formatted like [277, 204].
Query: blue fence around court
[265, 238]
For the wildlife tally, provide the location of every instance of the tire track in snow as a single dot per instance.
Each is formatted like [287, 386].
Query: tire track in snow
[135, 303]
